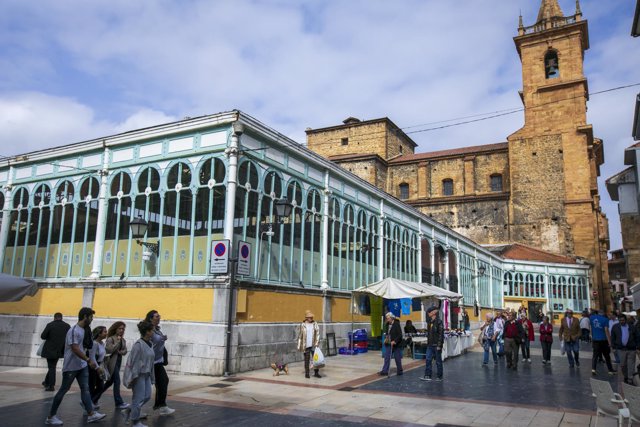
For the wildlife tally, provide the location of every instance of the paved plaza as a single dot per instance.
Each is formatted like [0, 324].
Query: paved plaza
[350, 393]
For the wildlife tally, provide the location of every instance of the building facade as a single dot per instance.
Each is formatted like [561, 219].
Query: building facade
[200, 182]
[538, 188]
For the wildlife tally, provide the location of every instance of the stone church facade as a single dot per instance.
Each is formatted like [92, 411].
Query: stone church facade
[537, 188]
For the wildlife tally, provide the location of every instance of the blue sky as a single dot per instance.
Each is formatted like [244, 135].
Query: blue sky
[75, 70]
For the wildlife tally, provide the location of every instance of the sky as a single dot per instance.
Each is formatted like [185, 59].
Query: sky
[77, 70]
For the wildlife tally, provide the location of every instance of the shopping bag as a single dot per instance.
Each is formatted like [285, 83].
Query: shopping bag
[562, 351]
[318, 358]
[39, 352]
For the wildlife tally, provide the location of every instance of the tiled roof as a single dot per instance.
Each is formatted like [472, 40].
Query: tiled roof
[522, 252]
[453, 152]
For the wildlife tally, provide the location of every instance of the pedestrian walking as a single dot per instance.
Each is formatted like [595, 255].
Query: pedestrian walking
[96, 375]
[308, 340]
[569, 333]
[514, 335]
[546, 339]
[623, 340]
[116, 348]
[161, 357]
[527, 326]
[53, 349]
[585, 327]
[435, 343]
[76, 367]
[500, 320]
[489, 336]
[139, 373]
[392, 344]
[613, 319]
[600, 338]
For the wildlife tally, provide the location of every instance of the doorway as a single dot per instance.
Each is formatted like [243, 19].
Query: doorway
[535, 308]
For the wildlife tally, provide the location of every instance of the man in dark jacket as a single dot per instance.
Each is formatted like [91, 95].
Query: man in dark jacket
[393, 344]
[514, 335]
[623, 340]
[435, 342]
[54, 334]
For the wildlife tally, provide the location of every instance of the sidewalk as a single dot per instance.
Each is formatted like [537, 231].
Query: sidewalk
[350, 393]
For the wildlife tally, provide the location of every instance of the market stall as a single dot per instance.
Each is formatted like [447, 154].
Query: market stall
[456, 342]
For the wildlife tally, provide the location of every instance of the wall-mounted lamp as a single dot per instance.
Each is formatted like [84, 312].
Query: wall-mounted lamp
[283, 209]
[138, 230]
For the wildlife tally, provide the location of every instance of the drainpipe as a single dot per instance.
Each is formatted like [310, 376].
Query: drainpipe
[98, 248]
[6, 217]
[230, 208]
[324, 257]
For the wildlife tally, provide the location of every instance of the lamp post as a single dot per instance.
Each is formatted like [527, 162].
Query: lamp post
[476, 305]
[138, 230]
[283, 210]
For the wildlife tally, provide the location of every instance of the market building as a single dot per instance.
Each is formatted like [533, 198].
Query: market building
[537, 188]
[67, 222]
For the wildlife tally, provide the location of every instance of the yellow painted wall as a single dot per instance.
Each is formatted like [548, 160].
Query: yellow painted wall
[270, 306]
[340, 311]
[47, 302]
[194, 305]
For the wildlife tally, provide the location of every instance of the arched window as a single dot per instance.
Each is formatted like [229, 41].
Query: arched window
[496, 182]
[404, 191]
[447, 187]
[551, 67]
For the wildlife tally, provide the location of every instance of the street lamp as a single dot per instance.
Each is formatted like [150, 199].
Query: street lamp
[138, 230]
[283, 209]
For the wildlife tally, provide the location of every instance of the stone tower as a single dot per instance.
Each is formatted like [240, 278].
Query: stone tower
[554, 158]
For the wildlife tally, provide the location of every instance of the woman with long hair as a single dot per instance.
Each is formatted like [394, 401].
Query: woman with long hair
[96, 354]
[161, 378]
[115, 347]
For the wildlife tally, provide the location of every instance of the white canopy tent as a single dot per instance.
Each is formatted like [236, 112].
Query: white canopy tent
[390, 288]
[15, 288]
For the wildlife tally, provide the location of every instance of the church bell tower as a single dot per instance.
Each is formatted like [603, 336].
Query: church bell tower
[554, 158]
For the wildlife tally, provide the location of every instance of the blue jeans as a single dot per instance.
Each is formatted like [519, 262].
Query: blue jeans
[115, 381]
[434, 353]
[486, 345]
[82, 376]
[397, 356]
[573, 351]
[141, 394]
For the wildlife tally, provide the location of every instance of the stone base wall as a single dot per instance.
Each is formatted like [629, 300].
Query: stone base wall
[194, 348]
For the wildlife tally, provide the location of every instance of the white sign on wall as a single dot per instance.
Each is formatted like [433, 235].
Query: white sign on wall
[219, 258]
[244, 258]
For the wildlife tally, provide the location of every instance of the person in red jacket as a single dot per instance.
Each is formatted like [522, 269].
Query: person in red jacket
[527, 325]
[546, 339]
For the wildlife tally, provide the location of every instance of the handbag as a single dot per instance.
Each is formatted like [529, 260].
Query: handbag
[165, 357]
[40, 347]
[103, 372]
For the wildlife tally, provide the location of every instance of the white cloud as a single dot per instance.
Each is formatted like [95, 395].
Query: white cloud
[74, 70]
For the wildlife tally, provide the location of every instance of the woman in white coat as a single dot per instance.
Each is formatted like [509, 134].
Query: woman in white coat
[138, 373]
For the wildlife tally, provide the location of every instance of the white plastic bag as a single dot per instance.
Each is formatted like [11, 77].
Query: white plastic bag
[562, 351]
[39, 351]
[318, 359]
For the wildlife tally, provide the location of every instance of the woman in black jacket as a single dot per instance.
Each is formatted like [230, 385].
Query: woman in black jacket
[54, 335]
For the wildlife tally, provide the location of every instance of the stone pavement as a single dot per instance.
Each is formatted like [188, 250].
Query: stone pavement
[350, 393]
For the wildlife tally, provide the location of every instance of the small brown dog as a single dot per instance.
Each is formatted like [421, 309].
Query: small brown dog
[280, 369]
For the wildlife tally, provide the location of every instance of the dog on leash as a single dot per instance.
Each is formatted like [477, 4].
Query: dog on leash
[280, 368]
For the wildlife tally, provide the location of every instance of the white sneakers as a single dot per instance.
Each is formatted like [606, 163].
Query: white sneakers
[53, 421]
[139, 424]
[122, 406]
[165, 410]
[97, 416]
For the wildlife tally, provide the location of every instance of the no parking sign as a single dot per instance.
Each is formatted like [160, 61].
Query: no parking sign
[219, 258]
[244, 258]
